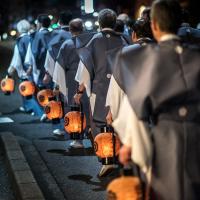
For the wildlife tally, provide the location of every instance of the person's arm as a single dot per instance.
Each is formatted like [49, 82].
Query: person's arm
[83, 78]
[113, 100]
[133, 134]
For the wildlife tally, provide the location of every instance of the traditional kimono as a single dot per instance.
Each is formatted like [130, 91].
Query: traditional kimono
[66, 67]
[162, 87]
[36, 54]
[18, 58]
[95, 73]
[115, 94]
[54, 45]
[21, 68]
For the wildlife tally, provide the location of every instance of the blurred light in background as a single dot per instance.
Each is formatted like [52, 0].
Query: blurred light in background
[140, 10]
[89, 8]
[88, 25]
[5, 36]
[96, 23]
[54, 26]
[95, 14]
[50, 17]
[13, 32]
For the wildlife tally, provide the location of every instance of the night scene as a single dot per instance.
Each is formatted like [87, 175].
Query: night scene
[99, 100]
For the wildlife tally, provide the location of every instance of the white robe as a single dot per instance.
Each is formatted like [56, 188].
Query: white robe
[135, 134]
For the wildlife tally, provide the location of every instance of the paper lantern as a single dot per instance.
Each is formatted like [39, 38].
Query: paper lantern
[54, 110]
[107, 146]
[43, 96]
[27, 89]
[125, 188]
[75, 122]
[7, 85]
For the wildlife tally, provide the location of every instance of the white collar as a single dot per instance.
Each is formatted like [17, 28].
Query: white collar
[169, 37]
[106, 29]
[23, 34]
[42, 28]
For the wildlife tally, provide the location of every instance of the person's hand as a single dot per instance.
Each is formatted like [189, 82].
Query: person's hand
[125, 155]
[29, 71]
[77, 98]
[47, 78]
[109, 119]
[56, 92]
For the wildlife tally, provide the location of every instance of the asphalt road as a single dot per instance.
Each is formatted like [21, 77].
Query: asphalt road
[74, 171]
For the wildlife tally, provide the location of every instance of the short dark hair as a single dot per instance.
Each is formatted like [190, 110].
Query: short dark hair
[107, 18]
[44, 20]
[65, 17]
[146, 13]
[119, 26]
[76, 25]
[142, 28]
[167, 13]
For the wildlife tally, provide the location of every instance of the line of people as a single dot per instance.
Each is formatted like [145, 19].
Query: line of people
[147, 90]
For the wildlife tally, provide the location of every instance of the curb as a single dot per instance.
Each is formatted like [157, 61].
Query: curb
[25, 185]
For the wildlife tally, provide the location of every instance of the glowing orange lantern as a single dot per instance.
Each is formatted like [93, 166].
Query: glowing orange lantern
[125, 188]
[75, 122]
[27, 89]
[107, 146]
[43, 96]
[54, 110]
[7, 85]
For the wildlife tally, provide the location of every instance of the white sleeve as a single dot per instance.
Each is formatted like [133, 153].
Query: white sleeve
[59, 78]
[28, 58]
[17, 63]
[134, 134]
[83, 77]
[114, 97]
[49, 64]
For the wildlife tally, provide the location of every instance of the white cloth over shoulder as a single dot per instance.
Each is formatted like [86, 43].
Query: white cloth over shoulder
[134, 134]
[60, 79]
[17, 64]
[49, 64]
[30, 60]
[83, 77]
[114, 97]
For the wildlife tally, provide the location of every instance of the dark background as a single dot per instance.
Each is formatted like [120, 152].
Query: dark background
[13, 10]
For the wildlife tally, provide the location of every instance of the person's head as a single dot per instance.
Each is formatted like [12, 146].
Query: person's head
[119, 26]
[146, 14]
[43, 21]
[23, 26]
[165, 17]
[141, 29]
[76, 26]
[107, 18]
[123, 17]
[65, 17]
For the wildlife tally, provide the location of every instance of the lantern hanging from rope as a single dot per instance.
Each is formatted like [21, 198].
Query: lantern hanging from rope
[7, 85]
[27, 89]
[75, 122]
[126, 187]
[43, 96]
[54, 111]
[107, 145]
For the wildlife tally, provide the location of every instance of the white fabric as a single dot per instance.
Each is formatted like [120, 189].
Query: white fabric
[114, 97]
[169, 37]
[16, 63]
[28, 57]
[134, 134]
[49, 64]
[83, 77]
[92, 102]
[59, 78]
[30, 60]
